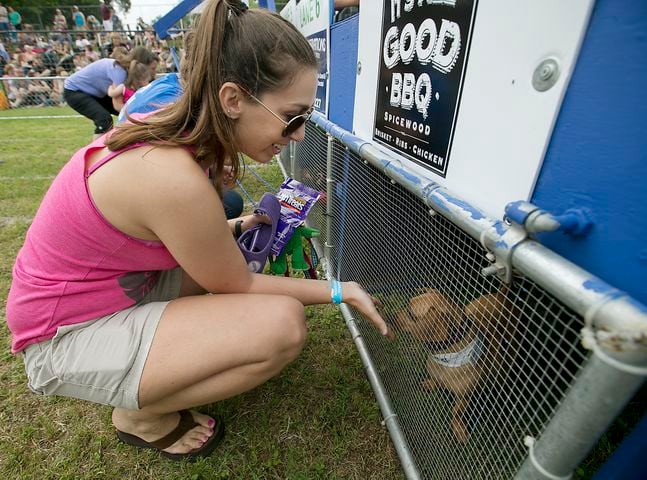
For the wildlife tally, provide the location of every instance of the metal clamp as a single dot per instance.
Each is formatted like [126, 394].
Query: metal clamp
[529, 442]
[500, 243]
[603, 342]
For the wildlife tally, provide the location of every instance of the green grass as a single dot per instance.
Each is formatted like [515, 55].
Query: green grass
[38, 111]
[317, 420]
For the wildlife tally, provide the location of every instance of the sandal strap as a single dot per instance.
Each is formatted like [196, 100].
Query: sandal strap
[186, 424]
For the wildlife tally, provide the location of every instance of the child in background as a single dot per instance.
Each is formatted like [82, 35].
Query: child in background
[139, 76]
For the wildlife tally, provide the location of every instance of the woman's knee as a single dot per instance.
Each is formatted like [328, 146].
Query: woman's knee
[288, 326]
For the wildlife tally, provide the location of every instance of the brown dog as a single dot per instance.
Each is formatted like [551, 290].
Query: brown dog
[465, 344]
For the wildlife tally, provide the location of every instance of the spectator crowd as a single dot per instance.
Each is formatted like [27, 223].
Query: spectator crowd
[34, 63]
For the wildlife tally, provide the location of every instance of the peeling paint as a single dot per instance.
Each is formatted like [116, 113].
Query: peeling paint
[516, 211]
[440, 203]
[598, 286]
[406, 174]
[474, 212]
[499, 227]
[502, 244]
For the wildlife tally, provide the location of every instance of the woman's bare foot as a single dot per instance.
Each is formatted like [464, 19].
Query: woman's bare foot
[151, 427]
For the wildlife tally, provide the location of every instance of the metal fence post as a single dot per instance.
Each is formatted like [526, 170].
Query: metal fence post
[293, 147]
[597, 397]
[616, 331]
[329, 245]
[390, 417]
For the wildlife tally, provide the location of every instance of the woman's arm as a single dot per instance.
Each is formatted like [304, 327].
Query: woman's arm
[167, 194]
[316, 292]
[116, 90]
[118, 103]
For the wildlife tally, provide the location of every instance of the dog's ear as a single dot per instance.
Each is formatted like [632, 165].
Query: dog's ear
[420, 305]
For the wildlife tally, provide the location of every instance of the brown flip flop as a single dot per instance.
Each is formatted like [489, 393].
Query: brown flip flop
[186, 424]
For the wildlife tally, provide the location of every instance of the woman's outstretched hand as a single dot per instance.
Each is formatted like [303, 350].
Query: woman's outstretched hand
[353, 294]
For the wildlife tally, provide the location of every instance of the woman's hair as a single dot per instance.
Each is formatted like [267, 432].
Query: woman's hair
[256, 49]
[123, 57]
[138, 73]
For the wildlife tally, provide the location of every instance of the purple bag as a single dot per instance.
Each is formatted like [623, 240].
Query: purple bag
[296, 200]
[255, 243]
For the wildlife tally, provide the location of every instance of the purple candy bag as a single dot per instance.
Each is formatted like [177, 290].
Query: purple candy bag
[296, 200]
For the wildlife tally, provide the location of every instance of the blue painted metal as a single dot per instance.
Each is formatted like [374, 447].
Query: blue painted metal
[474, 212]
[178, 12]
[598, 286]
[574, 221]
[406, 174]
[343, 68]
[628, 461]
[354, 143]
[596, 159]
[439, 203]
[166, 23]
[518, 211]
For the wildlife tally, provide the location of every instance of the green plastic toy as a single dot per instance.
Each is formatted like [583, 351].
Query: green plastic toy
[294, 250]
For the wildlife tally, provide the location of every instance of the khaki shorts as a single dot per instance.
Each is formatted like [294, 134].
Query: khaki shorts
[102, 360]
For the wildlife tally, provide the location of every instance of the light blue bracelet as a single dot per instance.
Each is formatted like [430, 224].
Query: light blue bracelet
[335, 293]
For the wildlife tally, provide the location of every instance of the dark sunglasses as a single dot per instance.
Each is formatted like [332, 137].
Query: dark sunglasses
[291, 125]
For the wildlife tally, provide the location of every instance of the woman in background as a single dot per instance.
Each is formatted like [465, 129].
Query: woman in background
[88, 90]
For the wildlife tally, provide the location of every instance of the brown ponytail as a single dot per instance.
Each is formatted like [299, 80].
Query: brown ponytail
[138, 73]
[141, 54]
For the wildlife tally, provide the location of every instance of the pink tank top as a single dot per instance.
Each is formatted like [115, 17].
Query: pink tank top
[75, 266]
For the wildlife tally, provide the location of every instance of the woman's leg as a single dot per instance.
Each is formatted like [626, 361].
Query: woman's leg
[208, 348]
[90, 107]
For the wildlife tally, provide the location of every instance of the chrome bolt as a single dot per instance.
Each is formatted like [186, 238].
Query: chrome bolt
[545, 75]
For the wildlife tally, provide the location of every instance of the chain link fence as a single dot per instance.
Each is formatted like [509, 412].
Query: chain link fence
[37, 64]
[34, 91]
[481, 370]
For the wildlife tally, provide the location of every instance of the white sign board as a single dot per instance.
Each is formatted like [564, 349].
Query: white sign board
[447, 86]
[312, 18]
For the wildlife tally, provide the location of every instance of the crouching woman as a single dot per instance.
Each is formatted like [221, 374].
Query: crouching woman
[109, 296]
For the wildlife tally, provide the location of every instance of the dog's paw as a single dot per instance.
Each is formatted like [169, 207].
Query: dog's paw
[460, 430]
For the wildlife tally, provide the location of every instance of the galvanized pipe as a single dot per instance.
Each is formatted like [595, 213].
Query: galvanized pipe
[293, 148]
[390, 417]
[602, 387]
[596, 398]
[330, 191]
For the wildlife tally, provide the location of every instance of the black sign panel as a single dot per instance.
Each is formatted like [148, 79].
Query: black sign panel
[424, 53]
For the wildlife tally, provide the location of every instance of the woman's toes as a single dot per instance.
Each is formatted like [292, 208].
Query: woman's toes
[196, 442]
[190, 441]
[204, 420]
[201, 433]
[197, 436]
